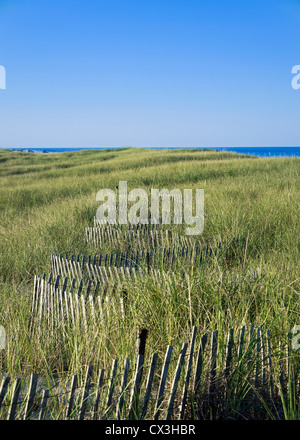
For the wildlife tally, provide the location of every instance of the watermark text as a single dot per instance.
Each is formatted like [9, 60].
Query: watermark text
[138, 212]
[296, 338]
[2, 78]
[2, 337]
[296, 78]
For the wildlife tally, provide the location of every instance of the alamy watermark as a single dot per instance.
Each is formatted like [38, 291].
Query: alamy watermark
[296, 338]
[139, 211]
[296, 78]
[2, 78]
[2, 337]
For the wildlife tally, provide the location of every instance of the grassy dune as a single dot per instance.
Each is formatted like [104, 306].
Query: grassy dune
[46, 200]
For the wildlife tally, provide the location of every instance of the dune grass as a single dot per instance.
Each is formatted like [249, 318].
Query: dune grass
[46, 200]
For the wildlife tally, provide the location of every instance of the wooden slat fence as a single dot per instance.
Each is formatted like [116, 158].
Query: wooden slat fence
[151, 225]
[62, 306]
[203, 379]
[60, 301]
[104, 293]
[136, 238]
[160, 258]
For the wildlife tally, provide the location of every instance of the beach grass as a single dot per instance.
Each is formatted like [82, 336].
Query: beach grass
[251, 207]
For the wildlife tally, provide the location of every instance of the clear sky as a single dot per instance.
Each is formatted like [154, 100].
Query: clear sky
[149, 73]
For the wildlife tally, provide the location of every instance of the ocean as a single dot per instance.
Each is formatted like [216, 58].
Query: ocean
[254, 151]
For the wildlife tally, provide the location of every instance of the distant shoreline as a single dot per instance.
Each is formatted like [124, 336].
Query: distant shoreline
[253, 151]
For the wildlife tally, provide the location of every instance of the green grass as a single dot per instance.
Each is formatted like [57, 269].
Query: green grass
[46, 200]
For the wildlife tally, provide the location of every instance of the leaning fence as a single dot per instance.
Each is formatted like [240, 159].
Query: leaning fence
[213, 374]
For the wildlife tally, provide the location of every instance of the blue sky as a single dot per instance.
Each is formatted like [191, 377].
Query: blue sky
[149, 73]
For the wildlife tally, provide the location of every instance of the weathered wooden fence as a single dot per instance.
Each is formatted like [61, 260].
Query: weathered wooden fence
[69, 306]
[204, 377]
[212, 375]
[140, 238]
[160, 258]
[152, 224]
[61, 301]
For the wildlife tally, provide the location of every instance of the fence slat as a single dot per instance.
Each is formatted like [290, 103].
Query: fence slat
[3, 388]
[136, 387]
[43, 409]
[99, 387]
[163, 381]
[149, 384]
[14, 400]
[31, 395]
[228, 355]
[176, 380]
[111, 384]
[199, 365]
[258, 357]
[241, 343]
[187, 375]
[269, 354]
[71, 395]
[85, 393]
[213, 361]
[123, 388]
